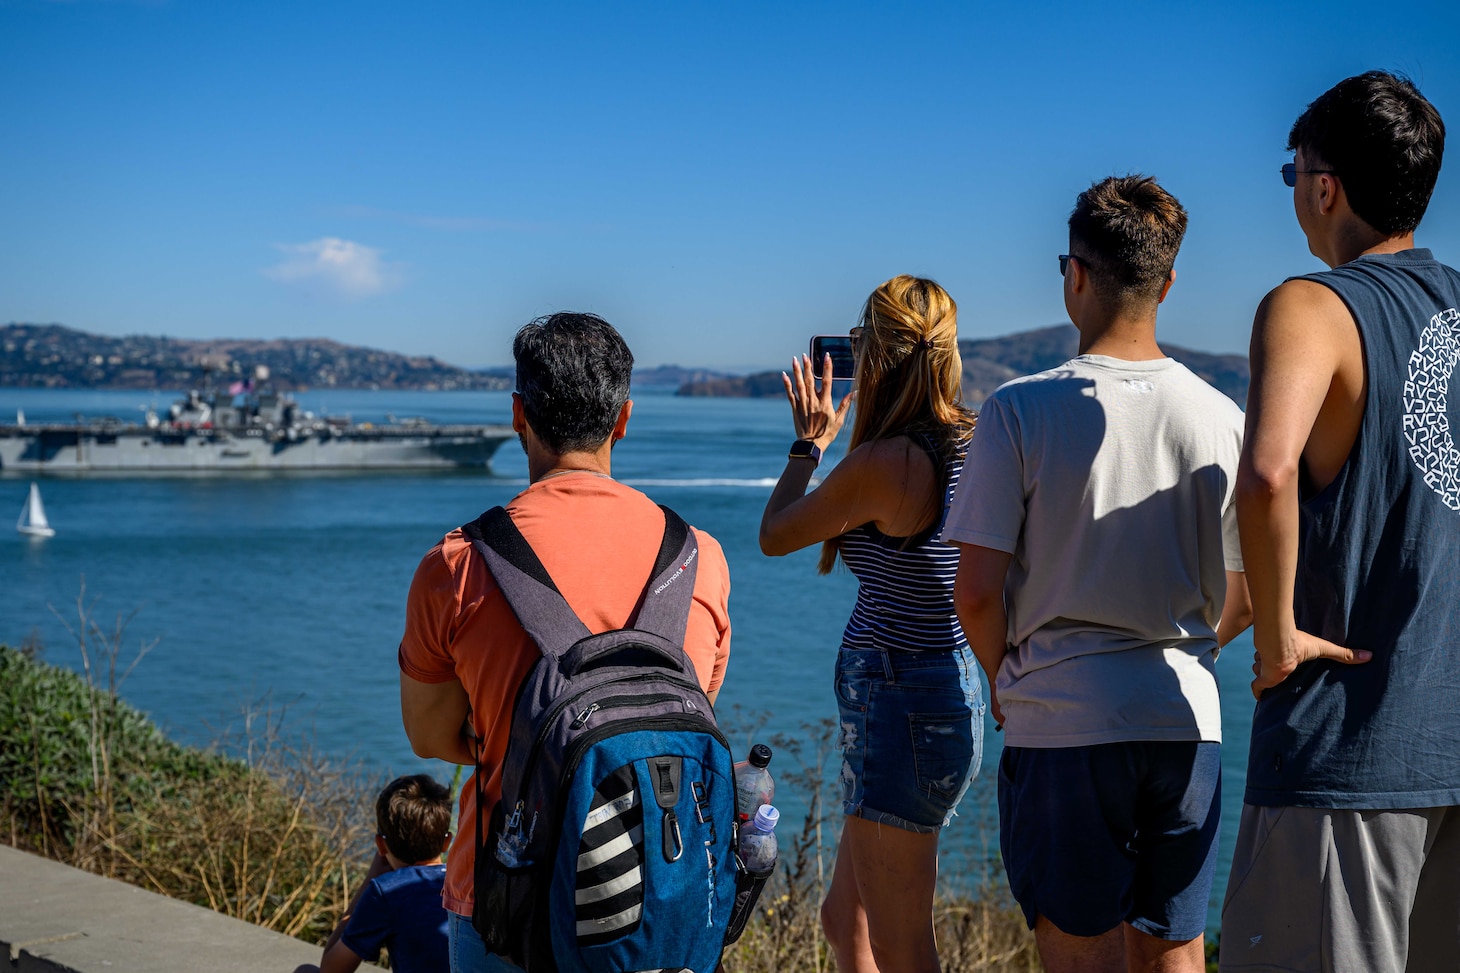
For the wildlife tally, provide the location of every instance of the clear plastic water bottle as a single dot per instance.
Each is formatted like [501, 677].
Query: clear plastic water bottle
[753, 783]
[758, 839]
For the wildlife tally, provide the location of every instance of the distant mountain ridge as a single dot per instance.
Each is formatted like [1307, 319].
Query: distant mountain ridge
[990, 362]
[53, 356]
[675, 375]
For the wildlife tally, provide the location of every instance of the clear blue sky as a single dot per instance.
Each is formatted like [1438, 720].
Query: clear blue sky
[718, 180]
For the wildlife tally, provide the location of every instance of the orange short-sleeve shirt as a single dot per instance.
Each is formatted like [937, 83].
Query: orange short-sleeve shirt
[598, 540]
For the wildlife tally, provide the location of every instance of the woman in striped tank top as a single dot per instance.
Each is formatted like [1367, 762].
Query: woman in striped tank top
[906, 682]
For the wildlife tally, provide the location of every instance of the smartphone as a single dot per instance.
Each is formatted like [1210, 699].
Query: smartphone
[839, 347]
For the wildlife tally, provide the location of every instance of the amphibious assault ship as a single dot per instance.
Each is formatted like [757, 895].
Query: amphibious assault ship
[219, 432]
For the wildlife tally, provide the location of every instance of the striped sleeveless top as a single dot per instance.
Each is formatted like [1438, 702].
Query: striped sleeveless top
[905, 595]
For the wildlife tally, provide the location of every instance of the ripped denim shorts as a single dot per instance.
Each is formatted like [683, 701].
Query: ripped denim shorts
[911, 734]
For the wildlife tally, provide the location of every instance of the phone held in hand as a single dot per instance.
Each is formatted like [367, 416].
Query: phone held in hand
[839, 347]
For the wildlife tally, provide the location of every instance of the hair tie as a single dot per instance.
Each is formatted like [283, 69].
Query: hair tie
[925, 342]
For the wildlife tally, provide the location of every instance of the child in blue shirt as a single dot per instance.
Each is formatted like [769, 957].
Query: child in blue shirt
[399, 906]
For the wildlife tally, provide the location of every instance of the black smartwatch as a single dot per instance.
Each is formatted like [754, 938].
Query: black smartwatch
[805, 449]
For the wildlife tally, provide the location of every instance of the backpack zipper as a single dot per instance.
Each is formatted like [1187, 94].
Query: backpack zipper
[547, 724]
[618, 702]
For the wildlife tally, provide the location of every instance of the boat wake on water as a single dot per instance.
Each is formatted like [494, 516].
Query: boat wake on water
[688, 483]
[759, 483]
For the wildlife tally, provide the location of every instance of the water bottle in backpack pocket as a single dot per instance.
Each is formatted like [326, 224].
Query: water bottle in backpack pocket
[757, 853]
[754, 785]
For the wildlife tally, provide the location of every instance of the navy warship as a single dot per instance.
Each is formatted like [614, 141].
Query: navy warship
[218, 432]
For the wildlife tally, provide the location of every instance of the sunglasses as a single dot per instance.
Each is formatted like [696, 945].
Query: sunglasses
[1291, 170]
[1065, 259]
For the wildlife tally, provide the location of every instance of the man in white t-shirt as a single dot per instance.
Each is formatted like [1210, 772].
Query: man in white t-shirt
[1099, 551]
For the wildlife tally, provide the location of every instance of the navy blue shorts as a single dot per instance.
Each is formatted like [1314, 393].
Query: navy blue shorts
[911, 734]
[1121, 832]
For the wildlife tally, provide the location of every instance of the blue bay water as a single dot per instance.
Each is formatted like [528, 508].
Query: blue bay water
[291, 588]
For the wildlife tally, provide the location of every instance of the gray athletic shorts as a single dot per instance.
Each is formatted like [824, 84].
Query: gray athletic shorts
[1334, 891]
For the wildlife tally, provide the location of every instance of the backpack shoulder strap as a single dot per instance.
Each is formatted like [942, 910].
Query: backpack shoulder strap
[525, 583]
[665, 604]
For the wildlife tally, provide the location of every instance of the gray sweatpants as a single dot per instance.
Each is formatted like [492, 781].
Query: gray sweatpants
[1335, 891]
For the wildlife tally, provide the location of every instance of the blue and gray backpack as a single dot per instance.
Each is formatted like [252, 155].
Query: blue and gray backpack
[613, 846]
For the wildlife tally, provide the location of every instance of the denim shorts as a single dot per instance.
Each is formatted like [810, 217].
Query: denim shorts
[911, 734]
[1117, 832]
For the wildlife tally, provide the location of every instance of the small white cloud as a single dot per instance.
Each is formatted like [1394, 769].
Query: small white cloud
[342, 268]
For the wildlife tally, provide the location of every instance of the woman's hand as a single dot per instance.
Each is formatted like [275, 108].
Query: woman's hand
[812, 412]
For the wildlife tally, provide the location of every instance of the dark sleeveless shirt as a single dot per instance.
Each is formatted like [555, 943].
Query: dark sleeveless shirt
[905, 595]
[1379, 569]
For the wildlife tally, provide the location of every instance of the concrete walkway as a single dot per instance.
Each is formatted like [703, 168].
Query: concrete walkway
[57, 918]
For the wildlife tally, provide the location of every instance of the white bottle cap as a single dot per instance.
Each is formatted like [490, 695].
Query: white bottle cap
[766, 818]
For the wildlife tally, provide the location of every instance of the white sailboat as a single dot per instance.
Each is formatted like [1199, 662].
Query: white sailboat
[33, 516]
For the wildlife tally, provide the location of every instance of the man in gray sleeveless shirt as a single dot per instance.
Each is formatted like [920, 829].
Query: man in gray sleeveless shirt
[1348, 857]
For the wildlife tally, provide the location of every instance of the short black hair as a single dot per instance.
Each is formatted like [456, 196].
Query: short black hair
[1383, 140]
[413, 815]
[1128, 230]
[573, 372]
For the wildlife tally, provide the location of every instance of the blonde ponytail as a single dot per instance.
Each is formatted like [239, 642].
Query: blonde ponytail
[909, 376]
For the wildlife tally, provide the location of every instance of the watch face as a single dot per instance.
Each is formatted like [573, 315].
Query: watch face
[805, 448]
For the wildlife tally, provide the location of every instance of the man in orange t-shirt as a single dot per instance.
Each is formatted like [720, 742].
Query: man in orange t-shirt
[464, 654]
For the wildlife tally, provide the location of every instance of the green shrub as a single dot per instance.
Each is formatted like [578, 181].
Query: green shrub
[276, 838]
[48, 720]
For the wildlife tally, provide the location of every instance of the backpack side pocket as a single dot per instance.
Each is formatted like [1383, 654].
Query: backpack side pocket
[748, 886]
[503, 895]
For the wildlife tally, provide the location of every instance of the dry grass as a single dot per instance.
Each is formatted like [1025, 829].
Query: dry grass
[980, 931]
[280, 845]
